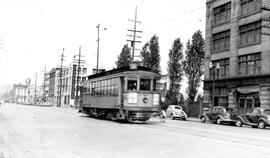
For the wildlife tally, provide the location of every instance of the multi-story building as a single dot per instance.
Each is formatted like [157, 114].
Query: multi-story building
[20, 93]
[69, 83]
[46, 86]
[237, 54]
[53, 93]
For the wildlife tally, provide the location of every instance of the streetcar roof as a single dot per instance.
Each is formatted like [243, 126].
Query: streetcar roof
[121, 70]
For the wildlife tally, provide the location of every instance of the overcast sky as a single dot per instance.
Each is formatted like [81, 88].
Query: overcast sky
[34, 32]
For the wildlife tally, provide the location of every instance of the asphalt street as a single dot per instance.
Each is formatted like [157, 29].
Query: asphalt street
[51, 132]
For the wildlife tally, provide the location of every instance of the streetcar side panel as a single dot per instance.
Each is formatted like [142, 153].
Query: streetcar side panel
[102, 93]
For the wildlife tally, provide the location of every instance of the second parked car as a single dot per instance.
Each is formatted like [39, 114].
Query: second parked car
[219, 115]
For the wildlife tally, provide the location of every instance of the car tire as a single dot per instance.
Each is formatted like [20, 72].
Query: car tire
[171, 116]
[203, 119]
[261, 125]
[218, 121]
[238, 123]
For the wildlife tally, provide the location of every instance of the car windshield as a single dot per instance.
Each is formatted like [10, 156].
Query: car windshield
[230, 110]
[267, 112]
[177, 107]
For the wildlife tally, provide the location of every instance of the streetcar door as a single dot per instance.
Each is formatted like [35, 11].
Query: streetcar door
[122, 90]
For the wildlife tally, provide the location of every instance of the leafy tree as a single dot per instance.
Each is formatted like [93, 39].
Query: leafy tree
[150, 54]
[175, 66]
[193, 64]
[124, 58]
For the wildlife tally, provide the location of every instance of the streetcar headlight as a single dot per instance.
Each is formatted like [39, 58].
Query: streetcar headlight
[132, 98]
[156, 99]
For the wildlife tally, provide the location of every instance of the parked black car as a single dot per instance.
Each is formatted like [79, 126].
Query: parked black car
[259, 117]
[219, 115]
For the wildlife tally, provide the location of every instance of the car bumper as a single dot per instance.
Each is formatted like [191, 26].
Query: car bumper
[180, 116]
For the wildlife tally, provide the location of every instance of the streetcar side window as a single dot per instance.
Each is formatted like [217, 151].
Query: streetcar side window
[132, 85]
[145, 84]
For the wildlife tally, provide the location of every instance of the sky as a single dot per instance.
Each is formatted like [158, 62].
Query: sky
[33, 33]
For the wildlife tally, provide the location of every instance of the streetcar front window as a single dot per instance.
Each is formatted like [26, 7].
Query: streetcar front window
[132, 85]
[145, 84]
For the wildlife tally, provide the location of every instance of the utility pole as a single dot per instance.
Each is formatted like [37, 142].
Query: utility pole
[60, 79]
[44, 85]
[79, 61]
[35, 94]
[134, 31]
[98, 26]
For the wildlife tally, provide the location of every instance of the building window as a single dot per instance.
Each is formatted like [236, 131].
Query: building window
[221, 41]
[250, 6]
[250, 34]
[256, 102]
[250, 64]
[224, 68]
[222, 14]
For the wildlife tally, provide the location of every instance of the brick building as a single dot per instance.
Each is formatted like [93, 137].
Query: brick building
[237, 54]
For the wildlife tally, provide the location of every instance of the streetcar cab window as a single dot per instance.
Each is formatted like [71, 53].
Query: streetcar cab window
[132, 85]
[155, 85]
[145, 84]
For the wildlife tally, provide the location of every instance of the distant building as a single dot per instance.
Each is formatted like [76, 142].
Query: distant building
[52, 92]
[20, 93]
[237, 45]
[68, 82]
[46, 86]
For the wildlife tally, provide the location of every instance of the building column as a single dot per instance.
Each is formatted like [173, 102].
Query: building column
[265, 96]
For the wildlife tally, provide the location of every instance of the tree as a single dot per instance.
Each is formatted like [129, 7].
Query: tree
[124, 59]
[175, 71]
[194, 63]
[150, 54]
[175, 66]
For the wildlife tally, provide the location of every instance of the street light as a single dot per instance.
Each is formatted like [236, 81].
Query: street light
[214, 69]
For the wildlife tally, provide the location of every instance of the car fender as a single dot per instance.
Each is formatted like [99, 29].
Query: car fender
[245, 121]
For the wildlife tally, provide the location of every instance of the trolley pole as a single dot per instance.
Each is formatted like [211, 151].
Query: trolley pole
[97, 47]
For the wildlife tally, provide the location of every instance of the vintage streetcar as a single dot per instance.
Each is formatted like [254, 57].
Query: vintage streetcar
[127, 93]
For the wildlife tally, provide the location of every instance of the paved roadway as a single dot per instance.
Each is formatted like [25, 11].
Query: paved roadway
[50, 132]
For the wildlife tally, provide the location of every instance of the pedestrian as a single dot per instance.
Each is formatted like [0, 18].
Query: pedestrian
[162, 116]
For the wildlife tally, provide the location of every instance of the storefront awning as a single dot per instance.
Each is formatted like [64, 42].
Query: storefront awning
[248, 90]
